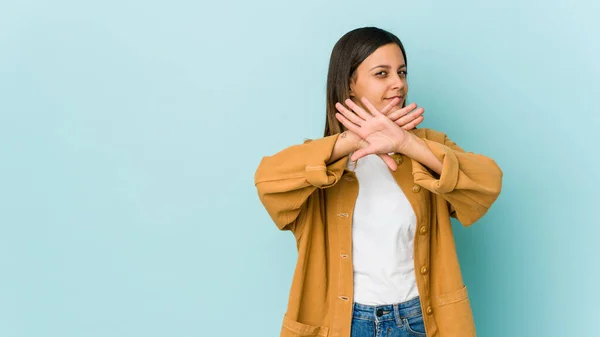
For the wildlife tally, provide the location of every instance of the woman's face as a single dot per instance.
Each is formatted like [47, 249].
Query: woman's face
[381, 77]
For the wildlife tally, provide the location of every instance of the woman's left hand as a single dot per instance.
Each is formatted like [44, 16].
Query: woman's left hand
[380, 132]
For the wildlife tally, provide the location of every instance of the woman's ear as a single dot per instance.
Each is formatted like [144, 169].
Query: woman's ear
[352, 84]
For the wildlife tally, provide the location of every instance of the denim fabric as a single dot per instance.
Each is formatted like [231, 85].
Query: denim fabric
[393, 320]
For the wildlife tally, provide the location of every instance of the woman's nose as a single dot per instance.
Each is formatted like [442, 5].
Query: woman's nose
[398, 81]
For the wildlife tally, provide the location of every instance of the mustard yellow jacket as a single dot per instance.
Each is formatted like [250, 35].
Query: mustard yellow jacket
[315, 202]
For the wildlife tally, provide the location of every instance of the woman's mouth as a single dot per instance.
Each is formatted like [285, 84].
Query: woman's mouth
[393, 97]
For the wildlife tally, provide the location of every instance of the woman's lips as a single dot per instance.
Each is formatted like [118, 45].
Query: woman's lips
[391, 98]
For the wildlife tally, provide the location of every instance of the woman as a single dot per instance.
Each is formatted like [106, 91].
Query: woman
[378, 260]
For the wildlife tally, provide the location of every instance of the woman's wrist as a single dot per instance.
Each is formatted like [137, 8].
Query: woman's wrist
[407, 145]
[417, 149]
[354, 141]
[347, 142]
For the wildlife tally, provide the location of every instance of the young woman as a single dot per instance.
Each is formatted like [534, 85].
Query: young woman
[379, 259]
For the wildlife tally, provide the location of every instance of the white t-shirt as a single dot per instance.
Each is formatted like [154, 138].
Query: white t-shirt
[383, 230]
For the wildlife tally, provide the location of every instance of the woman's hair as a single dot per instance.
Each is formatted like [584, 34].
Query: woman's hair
[347, 54]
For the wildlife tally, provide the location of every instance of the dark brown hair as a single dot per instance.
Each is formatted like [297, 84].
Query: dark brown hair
[347, 54]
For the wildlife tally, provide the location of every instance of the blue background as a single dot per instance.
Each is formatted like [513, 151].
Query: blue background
[130, 132]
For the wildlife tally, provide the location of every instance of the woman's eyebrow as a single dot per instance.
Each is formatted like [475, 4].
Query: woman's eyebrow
[385, 66]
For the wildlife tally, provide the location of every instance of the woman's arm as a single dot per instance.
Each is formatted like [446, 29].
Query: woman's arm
[469, 182]
[346, 143]
[286, 179]
[416, 148]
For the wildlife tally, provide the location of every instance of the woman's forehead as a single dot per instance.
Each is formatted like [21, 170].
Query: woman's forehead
[388, 55]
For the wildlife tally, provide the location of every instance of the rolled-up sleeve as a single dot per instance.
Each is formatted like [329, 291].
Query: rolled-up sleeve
[285, 180]
[469, 182]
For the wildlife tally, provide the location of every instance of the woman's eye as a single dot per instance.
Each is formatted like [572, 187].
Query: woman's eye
[403, 73]
[381, 73]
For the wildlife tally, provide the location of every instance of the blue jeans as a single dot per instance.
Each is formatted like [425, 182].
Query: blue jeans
[393, 320]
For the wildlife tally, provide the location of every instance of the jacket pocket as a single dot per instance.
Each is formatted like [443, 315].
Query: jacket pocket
[292, 328]
[453, 314]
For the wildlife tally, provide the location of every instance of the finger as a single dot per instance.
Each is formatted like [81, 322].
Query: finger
[359, 154]
[348, 114]
[389, 107]
[370, 106]
[409, 117]
[413, 124]
[365, 151]
[358, 110]
[402, 112]
[389, 161]
[348, 124]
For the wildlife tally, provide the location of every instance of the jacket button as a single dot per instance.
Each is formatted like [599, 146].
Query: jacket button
[423, 230]
[424, 270]
[397, 158]
[349, 178]
[343, 215]
[416, 188]
[429, 310]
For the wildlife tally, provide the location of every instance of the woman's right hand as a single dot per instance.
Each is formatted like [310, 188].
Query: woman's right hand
[359, 143]
[407, 118]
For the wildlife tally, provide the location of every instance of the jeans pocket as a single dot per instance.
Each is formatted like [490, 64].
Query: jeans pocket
[415, 325]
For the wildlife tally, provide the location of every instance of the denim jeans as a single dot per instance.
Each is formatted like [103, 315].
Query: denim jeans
[393, 320]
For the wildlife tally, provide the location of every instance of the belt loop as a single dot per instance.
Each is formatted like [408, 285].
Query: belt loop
[397, 315]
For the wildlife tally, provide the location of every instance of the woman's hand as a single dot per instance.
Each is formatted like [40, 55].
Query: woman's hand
[357, 143]
[407, 118]
[381, 134]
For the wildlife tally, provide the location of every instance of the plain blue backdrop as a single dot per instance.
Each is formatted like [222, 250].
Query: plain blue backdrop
[130, 132]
